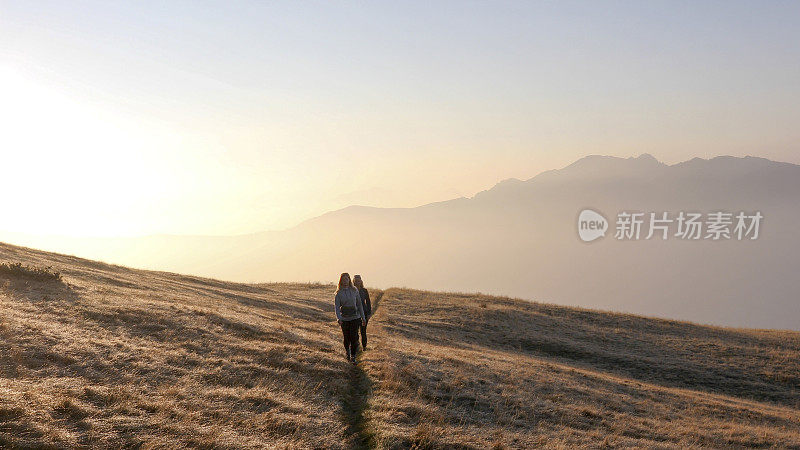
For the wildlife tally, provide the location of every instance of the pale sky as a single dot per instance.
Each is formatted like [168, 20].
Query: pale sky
[133, 118]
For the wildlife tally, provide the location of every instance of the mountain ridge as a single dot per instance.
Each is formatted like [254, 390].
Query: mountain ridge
[520, 239]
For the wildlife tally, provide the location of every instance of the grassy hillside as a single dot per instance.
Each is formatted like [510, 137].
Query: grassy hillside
[476, 371]
[109, 356]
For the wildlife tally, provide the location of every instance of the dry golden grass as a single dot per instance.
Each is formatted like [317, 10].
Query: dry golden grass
[470, 371]
[111, 356]
[108, 356]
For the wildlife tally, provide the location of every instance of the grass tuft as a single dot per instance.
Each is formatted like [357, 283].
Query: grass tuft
[18, 270]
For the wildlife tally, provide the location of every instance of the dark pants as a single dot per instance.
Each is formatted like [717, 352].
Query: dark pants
[364, 334]
[350, 333]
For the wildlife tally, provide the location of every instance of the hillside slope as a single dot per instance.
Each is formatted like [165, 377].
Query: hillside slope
[473, 371]
[113, 356]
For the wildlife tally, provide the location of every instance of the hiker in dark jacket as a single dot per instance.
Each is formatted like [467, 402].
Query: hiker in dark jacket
[365, 303]
[350, 313]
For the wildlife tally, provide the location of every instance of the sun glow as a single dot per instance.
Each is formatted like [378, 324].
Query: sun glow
[71, 162]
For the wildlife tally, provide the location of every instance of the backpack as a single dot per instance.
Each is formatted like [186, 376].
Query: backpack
[348, 310]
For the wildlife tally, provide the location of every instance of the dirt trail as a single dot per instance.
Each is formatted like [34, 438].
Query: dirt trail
[356, 399]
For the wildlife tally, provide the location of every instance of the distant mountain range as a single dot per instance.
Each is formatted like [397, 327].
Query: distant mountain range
[520, 238]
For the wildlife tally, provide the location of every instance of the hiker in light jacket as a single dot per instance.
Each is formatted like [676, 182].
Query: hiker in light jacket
[366, 304]
[350, 313]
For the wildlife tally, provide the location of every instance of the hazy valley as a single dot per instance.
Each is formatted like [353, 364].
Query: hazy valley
[520, 239]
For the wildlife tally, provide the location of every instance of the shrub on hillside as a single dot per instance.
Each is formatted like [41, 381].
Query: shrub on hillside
[17, 270]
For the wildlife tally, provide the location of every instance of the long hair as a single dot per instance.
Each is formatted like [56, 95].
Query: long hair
[344, 281]
[358, 282]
